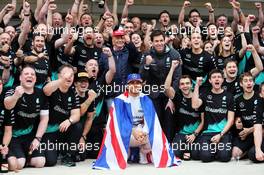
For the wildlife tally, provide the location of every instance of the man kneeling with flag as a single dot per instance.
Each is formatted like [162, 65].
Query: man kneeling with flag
[133, 122]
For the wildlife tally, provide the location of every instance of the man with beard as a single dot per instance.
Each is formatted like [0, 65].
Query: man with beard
[218, 107]
[84, 51]
[189, 121]
[31, 119]
[154, 69]
[64, 126]
[39, 59]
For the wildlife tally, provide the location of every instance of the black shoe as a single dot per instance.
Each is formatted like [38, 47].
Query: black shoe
[68, 161]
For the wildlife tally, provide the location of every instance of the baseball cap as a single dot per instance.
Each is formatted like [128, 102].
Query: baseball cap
[118, 32]
[81, 76]
[134, 77]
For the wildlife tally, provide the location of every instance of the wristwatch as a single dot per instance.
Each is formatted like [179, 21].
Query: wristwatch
[195, 134]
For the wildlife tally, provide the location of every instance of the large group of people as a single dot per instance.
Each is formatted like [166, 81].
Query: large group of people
[60, 77]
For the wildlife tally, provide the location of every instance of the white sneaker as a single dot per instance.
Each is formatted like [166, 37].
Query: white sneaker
[143, 158]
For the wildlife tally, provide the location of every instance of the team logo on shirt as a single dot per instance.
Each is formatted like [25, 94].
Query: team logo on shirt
[236, 83]
[2, 112]
[209, 97]
[37, 100]
[95, 54]
[188, 55]
[69, 99]
[224, 97]
[255, 102]
[220, 60]
[201, 58]
[84, 52]
[241, 105]
[224, 87]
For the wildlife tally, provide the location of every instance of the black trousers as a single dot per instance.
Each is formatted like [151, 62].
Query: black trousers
[221, 151]
[180, 146]
[166, 118]
[252, 153]
[64, 143]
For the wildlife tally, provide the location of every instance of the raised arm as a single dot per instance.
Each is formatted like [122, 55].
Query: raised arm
[258, 63]
[169, 90]
[10, 101]
[208, 5]
[37, 10]
[25, 26]
[255, 32]
[125, 9]
[111, 64]
[196, 101]
[10, 13]
[182, 12]
[51, 87]
[258, 5]
[74, 11]
[114, 12]
[43, 12]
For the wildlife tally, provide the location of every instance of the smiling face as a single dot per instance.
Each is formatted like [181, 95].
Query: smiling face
[212, 31]
[82, 85]
[134, 87]
[221, 21]
[194, 18]
[99, 40]
[216, 81]
[5, 38]
[57, 20]
[159, 43]
[164, 19]
[67, 74]
[109, 22]
[231, 70]
[129, 28]
[92, 68]
[196, 40]
[185, 86]
[247, 83]
[118, 42]
[208, 47]
[39, 43]
[11, 31]
[88, 36]
[28, 78]
[226, 44]
[136, 40]
[86, 20]
[136, 23]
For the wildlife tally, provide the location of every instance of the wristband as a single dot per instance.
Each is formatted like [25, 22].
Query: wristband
[195, 134]
[221, 134]
[70, 120]
[146, 67]
[38, 138]
[84, 137]
[211, 11]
